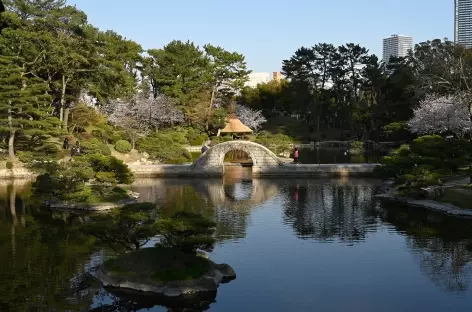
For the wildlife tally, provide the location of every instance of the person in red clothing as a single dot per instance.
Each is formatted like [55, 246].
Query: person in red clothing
[296, 155]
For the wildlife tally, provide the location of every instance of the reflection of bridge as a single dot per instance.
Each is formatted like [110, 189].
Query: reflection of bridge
[213, 190]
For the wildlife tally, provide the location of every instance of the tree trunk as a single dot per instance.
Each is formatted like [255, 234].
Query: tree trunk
[63, 100]
[11, 139]
[209, 109]
[66, 117]
[11, 144]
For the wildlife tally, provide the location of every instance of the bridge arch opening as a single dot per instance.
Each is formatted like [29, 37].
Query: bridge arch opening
[237, 157]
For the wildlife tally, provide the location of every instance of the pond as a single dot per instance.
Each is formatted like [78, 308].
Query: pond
[295, 244]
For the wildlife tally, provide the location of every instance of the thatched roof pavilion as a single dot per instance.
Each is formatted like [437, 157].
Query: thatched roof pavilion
[235, 126]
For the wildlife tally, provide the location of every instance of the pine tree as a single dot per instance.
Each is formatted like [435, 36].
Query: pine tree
[23, 104]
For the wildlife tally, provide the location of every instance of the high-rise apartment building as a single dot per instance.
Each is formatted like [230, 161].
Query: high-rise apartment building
[396, 45]
[463, 22]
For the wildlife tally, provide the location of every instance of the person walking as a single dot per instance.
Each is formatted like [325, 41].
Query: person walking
[296, 155]
[66, 144]
[204, 148]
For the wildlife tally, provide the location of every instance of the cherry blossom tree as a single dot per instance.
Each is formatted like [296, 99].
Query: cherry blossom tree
[141, 114]
[440, 114]
[251, 118]
[124, 114]
[160, 111]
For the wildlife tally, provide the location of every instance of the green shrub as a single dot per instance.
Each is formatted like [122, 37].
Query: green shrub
[427, 159]
[278, 143]
[101, 163]
[9, 165]
[76, 181]
[356, 148]
[25, 157]
[106, 177]
[101, 135]
[167, 147]
[220, 139]
[195, 137]
[94, 146]
[123, 146]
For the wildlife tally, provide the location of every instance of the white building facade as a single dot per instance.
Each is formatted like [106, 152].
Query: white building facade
[463, 22]
[257, 78]
[397, 46]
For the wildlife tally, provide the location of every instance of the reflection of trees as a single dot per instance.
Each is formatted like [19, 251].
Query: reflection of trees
[124, 301]
[211, 198]
[445, 263]
[440, 244]
[40, 255]
[321, 210]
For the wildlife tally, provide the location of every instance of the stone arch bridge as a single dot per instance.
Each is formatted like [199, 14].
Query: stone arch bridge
[212, 160]
[265, 163]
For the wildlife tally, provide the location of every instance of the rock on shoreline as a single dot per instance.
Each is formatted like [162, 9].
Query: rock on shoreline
[447, 209]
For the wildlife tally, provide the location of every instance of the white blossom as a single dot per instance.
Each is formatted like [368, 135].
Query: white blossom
[142, 113]
[439, 114]
[251, 118]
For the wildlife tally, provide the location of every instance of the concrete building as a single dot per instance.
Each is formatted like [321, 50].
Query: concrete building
[396, 45]
[463, 22]
[277, 76]
[257, 78]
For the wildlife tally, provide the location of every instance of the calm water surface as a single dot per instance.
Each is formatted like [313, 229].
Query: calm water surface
[296, 245]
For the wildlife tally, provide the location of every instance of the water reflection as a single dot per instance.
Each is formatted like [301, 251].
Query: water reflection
[42, 256]
[124, 301]
[325, 210]
[228, 202]
[321, 237]
[442, 246]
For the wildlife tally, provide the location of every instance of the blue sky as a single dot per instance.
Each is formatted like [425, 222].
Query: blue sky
[268, 31]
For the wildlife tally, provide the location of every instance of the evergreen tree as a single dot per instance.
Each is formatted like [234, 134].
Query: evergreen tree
[23, 104]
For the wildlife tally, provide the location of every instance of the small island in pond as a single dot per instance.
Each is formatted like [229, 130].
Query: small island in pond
[164, 271]
[175, 266]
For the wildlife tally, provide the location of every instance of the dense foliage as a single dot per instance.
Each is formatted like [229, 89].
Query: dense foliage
[346, 93]
[127, 228]
[85, 179]
[167, 147]
[427, 160]
[59, 74]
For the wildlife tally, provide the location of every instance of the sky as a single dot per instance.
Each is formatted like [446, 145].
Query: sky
[269, 31]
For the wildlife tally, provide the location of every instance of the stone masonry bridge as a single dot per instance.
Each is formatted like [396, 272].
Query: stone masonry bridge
[265, 163]
[212, 160]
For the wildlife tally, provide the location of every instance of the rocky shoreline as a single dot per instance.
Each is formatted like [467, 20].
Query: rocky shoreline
[90, 207]
[17, 173]
[444, 208]
[209, 282]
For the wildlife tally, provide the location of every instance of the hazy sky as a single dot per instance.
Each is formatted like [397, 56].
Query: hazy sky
[268, 31]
